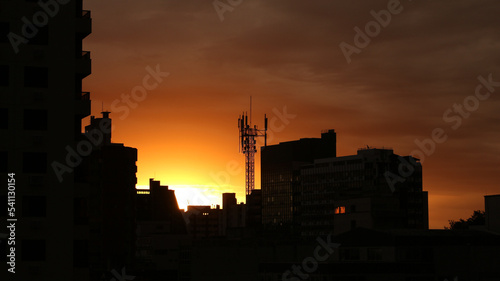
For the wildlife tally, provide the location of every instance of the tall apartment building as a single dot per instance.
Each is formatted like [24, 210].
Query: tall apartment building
[111, 172]
[280, 183]
[42, 66]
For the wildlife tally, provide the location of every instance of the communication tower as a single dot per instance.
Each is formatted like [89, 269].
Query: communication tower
[248, 146]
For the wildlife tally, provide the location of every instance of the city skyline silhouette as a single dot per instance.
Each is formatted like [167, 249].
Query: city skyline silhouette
[366, 146]
[392, 94]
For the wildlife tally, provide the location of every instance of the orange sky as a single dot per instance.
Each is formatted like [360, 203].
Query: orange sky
[285, 53]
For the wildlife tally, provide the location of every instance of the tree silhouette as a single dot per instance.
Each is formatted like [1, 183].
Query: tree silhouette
[477, 218]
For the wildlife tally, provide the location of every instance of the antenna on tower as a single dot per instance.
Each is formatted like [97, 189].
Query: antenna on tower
[250, 111]
[247, 135]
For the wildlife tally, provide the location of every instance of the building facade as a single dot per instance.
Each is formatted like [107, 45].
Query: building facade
[42, 105]
[161, 234]
[111, 172]
[280, 179]
[492, 212]
[307, 190]
[342, 193]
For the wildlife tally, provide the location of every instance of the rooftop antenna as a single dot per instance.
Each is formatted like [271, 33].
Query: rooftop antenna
[247, 135]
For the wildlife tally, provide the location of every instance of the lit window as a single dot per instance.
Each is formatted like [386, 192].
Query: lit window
[340, 210]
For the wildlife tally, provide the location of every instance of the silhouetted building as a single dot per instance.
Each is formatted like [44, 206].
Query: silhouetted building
[310, 191]
[359, 254]
[158, 203]
[492, 212]
[341, 193]
[399, 255]
[111, 172]
[233, 215]
[41, 108]
[229, 222]
[280, 183]
[161, 234]
[254, 210]
[203, 221]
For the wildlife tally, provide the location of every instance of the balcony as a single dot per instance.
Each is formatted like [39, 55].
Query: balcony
[82, 105]
[84, 24]
[84, 64]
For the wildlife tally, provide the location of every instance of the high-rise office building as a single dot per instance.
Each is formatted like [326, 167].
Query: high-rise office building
[280, 165]
[309, 191]
[341, 193]
[41, 108]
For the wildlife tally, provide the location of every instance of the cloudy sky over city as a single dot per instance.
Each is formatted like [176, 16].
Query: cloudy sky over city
[381, 73]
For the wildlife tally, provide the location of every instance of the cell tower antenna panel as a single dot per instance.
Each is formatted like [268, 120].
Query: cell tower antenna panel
[247, 135]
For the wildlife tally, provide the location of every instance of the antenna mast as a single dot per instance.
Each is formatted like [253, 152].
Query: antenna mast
[247, 146]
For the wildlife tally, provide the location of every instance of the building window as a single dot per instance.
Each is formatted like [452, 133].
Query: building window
[35, 119]
[34, 206]
[349, 254]
[374, 254]
[4, 162]
[81, 253]
[340, 210]
[41, 37]
[37, 77]
[161, 252]
[33, 250]
[4, 75]
[3, 205]
[80, 208]
[34, 162]
[4, 31]
[4, 118]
